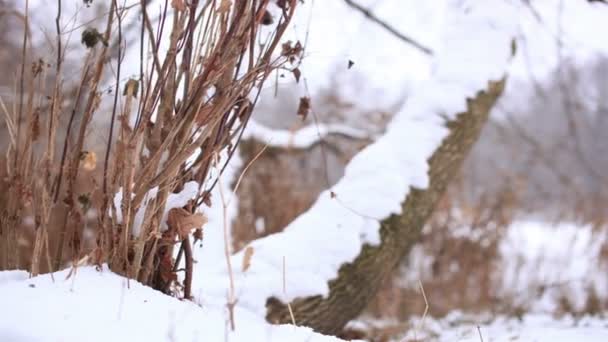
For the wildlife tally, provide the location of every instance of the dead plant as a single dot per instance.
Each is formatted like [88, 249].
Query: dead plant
[191, 101]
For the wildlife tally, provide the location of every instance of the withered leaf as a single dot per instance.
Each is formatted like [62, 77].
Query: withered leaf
[185, 222]
[166, 268]
[282, 4]
[267, 18]
[225, 6]
[304, 107]
[90, 38]
[297, 73]
[85, 201]
[198, 234]
[287, 50]
[131, 88]
[207, 198]
[36, 125]
[179, 5]
[88, 160]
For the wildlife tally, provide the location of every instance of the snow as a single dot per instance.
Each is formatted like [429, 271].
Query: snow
[178, 200]
[477, 47]
[7, 276]
[471, 40]
[530, 328]
[301, 138]
[101, 306]
[562, 257]
[385, 68]
[539, 265]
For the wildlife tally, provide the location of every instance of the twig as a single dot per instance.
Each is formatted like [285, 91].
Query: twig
[293, 319]
[22, 77]
[479, 331]
[238, 182]
[426, 310]
[368, 14]
[231, 295]
[189, 268]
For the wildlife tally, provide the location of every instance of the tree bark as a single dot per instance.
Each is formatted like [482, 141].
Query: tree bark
[358, 282]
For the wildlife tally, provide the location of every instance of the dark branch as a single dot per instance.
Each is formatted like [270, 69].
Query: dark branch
[368, 14]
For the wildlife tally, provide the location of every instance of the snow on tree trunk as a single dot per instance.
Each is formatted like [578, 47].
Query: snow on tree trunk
[329, 262]
[358, 281]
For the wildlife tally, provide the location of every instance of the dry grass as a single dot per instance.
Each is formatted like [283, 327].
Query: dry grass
[195, 96]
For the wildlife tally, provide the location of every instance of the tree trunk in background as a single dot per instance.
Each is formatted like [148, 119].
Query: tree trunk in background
[358, 282]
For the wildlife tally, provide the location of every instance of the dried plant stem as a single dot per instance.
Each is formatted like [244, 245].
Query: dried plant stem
[90, 107]
[231, 293]
[200, 65]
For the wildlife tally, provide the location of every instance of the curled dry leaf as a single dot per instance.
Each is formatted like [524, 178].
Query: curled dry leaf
[267, 18]
[35, 125]
[131, 88]
[304, 107]
[297, 73]
[185, 222]
[207, 198]
[88, 160]
[247, 258]
[292, 51]
[225, 6]
[198, 234]
[179, 5]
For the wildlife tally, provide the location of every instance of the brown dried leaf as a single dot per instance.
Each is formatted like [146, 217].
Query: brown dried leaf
[88, 160]
[198, 234]
[283, 4]
[247, 258]
[304, 107]
[166, 269]
[185, 222]
[36, 125]
[297, 73]
[207, 198]
[287, 50]
[225, 6]
[179, 5]
[131, 88]
[267, 18]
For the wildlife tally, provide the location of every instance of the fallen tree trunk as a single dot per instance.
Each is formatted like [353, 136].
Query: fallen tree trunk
[358, 282]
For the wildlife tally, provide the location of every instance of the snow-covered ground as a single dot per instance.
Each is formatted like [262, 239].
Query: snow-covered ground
[97, 305]
[459, 327]
[472, 45]
[530, 328]
[92, 305]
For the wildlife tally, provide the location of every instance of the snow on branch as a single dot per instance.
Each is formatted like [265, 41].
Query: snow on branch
[302, 138]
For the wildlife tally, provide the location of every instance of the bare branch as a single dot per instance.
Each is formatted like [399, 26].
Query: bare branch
[371, 16]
